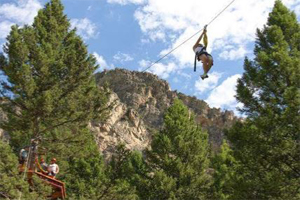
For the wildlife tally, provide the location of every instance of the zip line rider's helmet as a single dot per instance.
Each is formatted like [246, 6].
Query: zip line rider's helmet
[53, 159]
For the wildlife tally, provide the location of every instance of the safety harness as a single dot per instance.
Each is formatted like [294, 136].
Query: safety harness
[197, 54]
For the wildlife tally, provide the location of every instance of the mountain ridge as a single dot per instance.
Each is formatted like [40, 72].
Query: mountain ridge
[140, 100]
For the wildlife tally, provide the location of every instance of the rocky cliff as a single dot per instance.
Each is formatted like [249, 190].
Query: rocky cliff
[139, 100]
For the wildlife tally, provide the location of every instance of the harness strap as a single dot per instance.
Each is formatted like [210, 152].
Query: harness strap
[195, 62]
[198, 53]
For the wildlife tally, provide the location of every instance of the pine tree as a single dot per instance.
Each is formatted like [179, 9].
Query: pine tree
[50, 93]
[50, 77]
[88, 176]
[224, 166]
[14, 185]
[179, 157]
[267, 142]
[81, 165]
[130, 167]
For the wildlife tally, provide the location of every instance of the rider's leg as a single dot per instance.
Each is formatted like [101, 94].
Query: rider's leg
[205, 60]
[209, 63]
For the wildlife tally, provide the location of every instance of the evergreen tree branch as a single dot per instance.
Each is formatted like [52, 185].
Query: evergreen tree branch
[59, 124]
[4, 97]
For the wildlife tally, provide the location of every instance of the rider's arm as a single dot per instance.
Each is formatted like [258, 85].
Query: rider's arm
[198, 41]
[205, 40]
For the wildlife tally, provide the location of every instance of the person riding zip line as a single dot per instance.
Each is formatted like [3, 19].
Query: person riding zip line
[201, 54]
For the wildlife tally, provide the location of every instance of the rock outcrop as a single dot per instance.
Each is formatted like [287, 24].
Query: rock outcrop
[139, 101]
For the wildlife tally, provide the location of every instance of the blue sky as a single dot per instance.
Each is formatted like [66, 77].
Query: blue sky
[131, 34]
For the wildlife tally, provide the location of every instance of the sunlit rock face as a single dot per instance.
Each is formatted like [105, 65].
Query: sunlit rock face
[139, 101]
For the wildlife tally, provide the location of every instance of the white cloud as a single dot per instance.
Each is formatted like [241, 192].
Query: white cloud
[233, 54]
[207, 84]
[124, 2]
[101, 61]
[150, 26]
[235, 27]
[22, 12]
[122, 57]
[158, 35]
[5, 28]
[85, 28]
[183, 55]
[223, 95]
[185, 75]
[159, 69]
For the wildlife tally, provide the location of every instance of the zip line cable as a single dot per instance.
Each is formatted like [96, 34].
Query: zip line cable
[189, 37]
